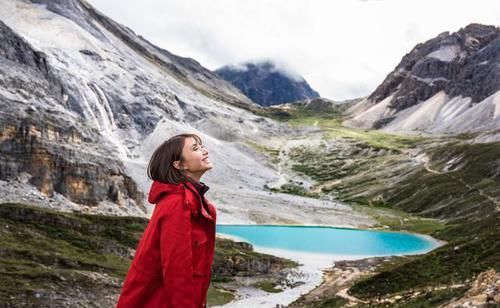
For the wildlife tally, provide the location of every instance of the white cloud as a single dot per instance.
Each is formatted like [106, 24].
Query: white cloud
[343, 48]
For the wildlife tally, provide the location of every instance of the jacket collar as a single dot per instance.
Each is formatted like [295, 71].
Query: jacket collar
[201, 200]
[159, 190]
[201, 187]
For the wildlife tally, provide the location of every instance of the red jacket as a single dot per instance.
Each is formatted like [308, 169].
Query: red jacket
[172, 264]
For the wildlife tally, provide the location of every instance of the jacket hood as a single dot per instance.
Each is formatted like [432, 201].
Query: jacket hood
[159, 190]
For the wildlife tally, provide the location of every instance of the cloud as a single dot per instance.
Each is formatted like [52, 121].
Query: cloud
[343, 48]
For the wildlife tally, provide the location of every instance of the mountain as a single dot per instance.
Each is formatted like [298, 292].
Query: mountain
[266, 84]
[447, 85]
[450, 187]
[318, 105]
[84, 102]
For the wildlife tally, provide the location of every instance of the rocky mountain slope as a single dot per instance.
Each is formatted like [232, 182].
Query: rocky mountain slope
[266, 84]
[449, 84]
[85, 101]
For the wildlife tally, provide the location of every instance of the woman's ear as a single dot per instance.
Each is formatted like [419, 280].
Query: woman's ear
[176, 164]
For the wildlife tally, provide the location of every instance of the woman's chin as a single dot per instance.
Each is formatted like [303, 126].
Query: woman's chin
[208, 166]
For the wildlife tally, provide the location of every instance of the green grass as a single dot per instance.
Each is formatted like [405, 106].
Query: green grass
[295, 190]
[477, 246]
[268, 286]
[48, 252]
[218, 296]
[44, 249]
[332, 302]
[271, 152]
[332, 125]
[239, 259]
[398, 220]
[331, 122]
[454, 193]
[472, 224]
[327, 302]
[432, 299]
[440, 205]
[299, 113]
[455, 206]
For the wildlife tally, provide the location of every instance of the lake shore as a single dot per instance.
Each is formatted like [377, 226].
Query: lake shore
[316, 272]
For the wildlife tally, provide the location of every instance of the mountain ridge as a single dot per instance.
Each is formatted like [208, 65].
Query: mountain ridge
[447, 85]
[266, 83]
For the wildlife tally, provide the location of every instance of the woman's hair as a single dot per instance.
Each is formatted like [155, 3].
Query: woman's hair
[161, 167]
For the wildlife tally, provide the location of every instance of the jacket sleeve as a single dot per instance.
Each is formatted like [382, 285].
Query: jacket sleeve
[176, 257]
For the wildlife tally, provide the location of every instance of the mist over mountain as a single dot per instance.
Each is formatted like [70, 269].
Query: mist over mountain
[84, 101]
[267, 84]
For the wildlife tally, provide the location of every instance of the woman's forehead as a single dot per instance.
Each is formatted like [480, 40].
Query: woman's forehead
[191, 141]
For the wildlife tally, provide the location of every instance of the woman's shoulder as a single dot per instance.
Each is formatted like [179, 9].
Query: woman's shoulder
[169, 204]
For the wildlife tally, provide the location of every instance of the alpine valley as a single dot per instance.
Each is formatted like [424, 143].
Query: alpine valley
[84, 101]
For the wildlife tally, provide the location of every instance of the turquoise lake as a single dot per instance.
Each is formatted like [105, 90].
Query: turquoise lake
[329, 240]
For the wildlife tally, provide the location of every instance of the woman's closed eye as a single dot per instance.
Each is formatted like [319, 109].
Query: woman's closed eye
[197, 148]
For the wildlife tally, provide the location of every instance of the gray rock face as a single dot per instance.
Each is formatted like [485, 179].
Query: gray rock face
[447, 85]
[187, 69]
[17, 51]
[38, 138]
[463, 63]
[85, 101]
[265, 84]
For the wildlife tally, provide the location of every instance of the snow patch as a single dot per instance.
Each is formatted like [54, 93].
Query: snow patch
[445, 53]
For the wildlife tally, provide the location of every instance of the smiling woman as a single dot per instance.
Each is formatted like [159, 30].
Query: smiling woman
[181, 158]
[172, 263]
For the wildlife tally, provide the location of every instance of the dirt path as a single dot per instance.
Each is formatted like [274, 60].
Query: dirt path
[470, 187]
[337, 281]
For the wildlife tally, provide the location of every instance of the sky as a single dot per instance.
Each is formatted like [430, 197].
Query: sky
[343, 48]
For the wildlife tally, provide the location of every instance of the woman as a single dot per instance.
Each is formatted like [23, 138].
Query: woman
[172, 263]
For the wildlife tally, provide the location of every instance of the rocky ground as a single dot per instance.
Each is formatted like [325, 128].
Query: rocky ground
[484, 291]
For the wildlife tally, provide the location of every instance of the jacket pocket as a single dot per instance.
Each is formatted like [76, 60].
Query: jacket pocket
[199, 244]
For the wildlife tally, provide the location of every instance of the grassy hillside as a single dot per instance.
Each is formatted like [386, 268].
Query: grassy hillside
[472, 249]
[54, 259]
[445, 187]
[50, 257]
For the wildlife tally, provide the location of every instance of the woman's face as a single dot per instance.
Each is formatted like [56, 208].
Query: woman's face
[196, 160]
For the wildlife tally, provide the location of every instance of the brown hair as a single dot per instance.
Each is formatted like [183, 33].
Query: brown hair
[160, 167]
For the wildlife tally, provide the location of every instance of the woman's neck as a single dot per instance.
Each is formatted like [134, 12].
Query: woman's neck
[194, 177]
